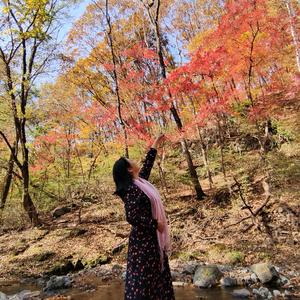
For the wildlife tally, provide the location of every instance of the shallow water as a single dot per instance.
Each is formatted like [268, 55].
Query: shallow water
[114, 290]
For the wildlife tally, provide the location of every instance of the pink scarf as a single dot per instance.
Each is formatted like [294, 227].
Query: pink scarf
[158, 214]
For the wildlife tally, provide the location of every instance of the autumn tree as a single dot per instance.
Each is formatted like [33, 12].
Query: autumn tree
[153, 11]
[28, 32]
[68, 141]
[113, 72]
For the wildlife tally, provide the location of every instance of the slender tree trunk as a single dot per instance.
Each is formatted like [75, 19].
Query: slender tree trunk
[293, 33]
[115, 78]
[199, 192]
[262, 142]
[154, 21]
[203, 150]
[221, 149]
[205, 158]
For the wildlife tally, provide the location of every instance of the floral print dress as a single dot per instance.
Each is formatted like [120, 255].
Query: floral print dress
[144, 278]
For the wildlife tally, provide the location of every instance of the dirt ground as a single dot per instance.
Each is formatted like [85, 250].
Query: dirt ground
[214, 230]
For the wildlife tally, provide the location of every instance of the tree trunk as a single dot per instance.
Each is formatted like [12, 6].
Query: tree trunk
[154, 21]
[199, 192]
[203, 150]
[205, 158]
[115, 78]
[221, 150]
[6, 182]
[293, 34]
[27, 202]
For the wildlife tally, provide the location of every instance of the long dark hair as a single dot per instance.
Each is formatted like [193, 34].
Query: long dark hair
[121, 176]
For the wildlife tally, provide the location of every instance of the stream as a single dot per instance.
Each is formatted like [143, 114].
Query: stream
[114, 290]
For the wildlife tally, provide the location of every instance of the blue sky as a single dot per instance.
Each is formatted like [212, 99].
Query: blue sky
[75, 13]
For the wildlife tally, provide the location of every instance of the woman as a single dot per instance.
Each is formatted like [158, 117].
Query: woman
[148, 274]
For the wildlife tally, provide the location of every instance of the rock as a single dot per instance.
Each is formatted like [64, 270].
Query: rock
[292, 274]
[254, 277]
[3, 296]
[265, 272]
[282, 280]
[287, 294]
[249, 280]
[41, 281]
[68, 282]
[20, 295]
[206, 276]
[188, 270]
[123, 276]
[227, 281]
[243, 293]
[16, 297]
[117, 267]
[56, 283]
[30, 295]
[241, 280]
[276, 293]
[176, 276]
[179, 283]
[225, 268]
[255, 292]
[264, 292]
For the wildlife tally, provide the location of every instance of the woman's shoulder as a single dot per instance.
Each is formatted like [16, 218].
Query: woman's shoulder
[132, 187]
[132, 190]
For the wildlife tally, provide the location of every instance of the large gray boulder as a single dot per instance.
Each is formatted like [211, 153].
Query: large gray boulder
[265, 272]
[206, 276]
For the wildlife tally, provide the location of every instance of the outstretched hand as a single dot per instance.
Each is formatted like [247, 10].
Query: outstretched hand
[159, 137]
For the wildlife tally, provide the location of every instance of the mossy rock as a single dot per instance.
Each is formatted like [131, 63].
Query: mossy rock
[61, 269]
[101, 260]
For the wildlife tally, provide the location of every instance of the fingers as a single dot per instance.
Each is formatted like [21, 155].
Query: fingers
[160, 135]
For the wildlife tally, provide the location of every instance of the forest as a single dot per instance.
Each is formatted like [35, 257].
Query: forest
[219, 78]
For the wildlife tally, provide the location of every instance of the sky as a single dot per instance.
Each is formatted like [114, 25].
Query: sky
[75, 13]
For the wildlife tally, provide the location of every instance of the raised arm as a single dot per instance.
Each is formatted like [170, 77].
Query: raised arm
[150, 158]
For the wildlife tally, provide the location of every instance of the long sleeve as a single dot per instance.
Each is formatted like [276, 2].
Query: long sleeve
[135, 213]
[148, 164]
